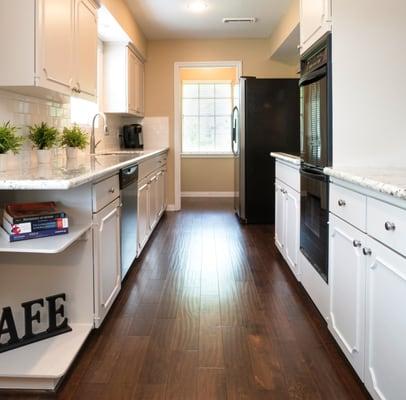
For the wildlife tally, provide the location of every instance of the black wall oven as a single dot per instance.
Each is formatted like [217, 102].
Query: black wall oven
[316, 153]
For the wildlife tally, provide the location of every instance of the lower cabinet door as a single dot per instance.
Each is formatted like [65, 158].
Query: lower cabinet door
[143, 216]
[385, 375]
[107, 263]
[292, 222]
[160, 199]
[279, 216]
[347, 290]
[153, 195]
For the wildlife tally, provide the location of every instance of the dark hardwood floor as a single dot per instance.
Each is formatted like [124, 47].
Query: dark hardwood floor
[210, 311]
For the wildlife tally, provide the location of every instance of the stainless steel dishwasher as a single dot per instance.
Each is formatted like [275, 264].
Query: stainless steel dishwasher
[129, 219]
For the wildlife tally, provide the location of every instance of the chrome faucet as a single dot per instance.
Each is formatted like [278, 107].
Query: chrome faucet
[93, 143]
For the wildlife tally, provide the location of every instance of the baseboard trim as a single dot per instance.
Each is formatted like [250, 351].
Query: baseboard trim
[207, 194]
[171, 207]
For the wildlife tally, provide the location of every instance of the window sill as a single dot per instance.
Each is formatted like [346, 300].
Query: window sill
[207, 155]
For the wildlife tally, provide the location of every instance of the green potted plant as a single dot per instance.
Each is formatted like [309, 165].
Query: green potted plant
[74, 139]
[43, 137]
[9, 142]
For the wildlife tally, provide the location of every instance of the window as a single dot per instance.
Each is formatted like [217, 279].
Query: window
[206, 117]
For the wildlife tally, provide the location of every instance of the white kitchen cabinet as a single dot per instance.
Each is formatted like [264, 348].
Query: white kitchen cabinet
[123, 80]
[347, 266]
[280, 224]
[107, 262]
[287, 215]
[315, 21]
[143, 214]
[153, 201]
[85, 48]
[53, 49]
[151, 197]
[385, 323]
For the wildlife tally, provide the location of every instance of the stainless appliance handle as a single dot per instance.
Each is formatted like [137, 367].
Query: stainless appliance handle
[314, 175]
[233, 131]
[130, 171]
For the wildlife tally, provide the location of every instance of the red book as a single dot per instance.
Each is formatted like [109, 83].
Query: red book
[17, 213]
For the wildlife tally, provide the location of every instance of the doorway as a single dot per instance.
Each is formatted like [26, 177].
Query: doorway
[205, 93]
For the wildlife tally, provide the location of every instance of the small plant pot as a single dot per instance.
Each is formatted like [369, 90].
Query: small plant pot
[72, 153]
[3, 162]
[44, 156]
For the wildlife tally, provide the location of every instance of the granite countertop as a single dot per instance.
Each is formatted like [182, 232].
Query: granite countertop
[391, 181]
[286, 157]
[65, 174]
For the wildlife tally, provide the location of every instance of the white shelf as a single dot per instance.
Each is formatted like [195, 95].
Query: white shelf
[41, 365]
[47, 245]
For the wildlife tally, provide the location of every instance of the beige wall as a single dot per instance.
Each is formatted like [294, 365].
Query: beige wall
[159, 73]
[121, 12]
[207, 175]
[209, 74]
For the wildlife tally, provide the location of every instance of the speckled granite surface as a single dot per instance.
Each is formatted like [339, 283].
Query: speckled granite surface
[66, 174]
[295, 160]
[391, 181]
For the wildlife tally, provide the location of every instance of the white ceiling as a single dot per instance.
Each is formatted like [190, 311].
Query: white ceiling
[171, 19]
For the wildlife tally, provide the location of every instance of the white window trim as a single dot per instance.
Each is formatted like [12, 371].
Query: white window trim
[207, 154]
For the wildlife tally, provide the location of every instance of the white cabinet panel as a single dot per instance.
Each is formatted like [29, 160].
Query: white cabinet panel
[385, 323]
[292, 231]
[347, 290]
[86, 48]
[143, 215]
[106, 259]
[153, 200]
[55, 44]
[315, 21]
[279, 215]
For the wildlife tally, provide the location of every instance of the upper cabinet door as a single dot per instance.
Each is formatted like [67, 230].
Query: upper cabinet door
[86, 48]
[131, 82]
[55, 44]
[315, 21]
[385, 323]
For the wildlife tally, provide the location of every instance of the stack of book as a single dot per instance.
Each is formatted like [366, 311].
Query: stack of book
[24, 221]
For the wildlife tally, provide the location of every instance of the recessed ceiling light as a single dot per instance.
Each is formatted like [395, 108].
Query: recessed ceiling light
[250, 20]
[197, 6]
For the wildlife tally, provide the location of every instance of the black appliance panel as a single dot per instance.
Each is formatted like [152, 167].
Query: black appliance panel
[316, 106]
[314, 219]
[271, 124]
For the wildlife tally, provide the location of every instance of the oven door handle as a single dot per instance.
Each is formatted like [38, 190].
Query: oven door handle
[313, 76]
[314, 175]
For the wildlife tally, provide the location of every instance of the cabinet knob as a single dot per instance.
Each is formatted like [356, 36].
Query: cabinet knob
[356, 243]
[366, 251]
[112, 190]
[390, 226]
[341, 203]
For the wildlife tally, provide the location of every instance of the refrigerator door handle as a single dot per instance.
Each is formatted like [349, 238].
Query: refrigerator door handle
[234, 130]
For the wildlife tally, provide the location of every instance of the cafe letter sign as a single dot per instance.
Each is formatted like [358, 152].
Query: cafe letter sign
[8, 326]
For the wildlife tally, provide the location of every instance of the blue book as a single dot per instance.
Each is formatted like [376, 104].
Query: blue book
[37, 234]
[41, 225]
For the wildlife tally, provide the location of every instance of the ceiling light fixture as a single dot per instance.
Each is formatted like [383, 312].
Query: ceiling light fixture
[250, 20]
[197, 6]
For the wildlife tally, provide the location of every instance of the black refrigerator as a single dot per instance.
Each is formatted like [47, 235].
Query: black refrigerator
[267, 120]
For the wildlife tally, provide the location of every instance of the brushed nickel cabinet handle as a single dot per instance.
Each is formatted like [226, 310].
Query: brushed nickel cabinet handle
[356, 243]
[112, 190]
[390, 226]
[366, 251]
[341, 203]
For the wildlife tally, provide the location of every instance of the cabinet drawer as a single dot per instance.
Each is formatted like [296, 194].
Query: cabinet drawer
[288, 175]
[105, 192]
[151, 165]
[348, 205]
[387, 223]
